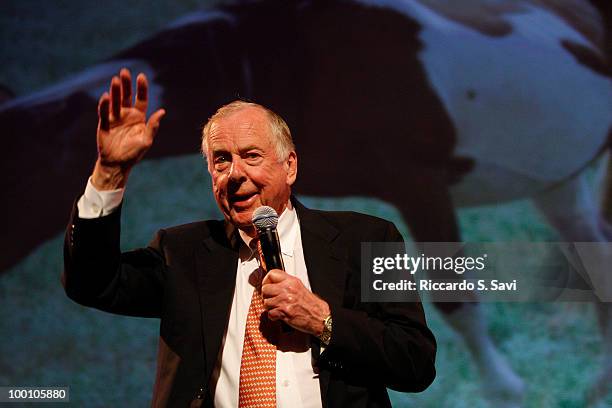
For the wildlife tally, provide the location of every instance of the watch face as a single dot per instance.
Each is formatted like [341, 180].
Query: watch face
[326, 333]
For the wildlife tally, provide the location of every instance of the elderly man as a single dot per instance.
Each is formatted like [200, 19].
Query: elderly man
[232, 334]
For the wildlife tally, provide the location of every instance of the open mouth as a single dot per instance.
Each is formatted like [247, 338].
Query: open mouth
[242, 200]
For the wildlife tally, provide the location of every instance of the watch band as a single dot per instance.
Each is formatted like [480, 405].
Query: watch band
[325, 336]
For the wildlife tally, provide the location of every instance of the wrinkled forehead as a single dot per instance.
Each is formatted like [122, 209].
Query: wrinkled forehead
[247, 127]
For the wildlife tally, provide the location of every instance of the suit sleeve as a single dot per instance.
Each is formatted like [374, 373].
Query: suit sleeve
[98, 275]
[382, 342]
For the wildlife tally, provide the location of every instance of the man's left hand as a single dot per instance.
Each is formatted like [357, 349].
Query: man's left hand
[287, 299]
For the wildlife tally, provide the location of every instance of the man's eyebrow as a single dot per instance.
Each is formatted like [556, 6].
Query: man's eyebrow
[221, 150]
[218, 150]
[249, 147]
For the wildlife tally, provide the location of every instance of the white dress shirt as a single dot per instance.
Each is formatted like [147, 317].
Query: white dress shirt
[297, 384]
[94, 203]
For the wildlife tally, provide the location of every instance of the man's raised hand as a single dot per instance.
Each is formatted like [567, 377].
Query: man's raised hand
[124, 135]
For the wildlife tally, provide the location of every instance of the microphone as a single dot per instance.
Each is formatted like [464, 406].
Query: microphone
[265, 220]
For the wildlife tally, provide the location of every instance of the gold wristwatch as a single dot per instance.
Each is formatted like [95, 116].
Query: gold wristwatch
[325, 335]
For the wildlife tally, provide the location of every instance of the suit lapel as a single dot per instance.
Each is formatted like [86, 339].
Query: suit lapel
[216, 264]
[326, 268]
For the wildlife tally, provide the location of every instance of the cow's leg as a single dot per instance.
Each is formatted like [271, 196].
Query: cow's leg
[571, 210]
[425, 203]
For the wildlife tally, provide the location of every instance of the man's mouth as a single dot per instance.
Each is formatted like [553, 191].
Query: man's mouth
[242, 200]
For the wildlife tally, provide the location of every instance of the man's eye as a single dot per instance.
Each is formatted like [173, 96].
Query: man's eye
[253, 156]
[221, 159]
[221, 162]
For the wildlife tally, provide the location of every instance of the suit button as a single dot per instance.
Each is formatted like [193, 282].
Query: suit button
[200, 394]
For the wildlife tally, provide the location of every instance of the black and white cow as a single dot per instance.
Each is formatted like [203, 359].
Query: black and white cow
[427, 104]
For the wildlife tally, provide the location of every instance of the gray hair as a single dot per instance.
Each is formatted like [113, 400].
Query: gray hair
[281, 135]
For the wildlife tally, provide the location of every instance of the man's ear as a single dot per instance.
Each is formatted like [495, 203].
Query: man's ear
[291, 168]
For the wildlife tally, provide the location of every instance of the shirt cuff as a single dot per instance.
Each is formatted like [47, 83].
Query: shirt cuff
[95, 203]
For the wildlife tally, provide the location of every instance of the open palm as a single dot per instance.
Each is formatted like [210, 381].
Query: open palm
[124, 135]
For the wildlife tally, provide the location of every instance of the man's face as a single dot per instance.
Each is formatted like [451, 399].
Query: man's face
[244, 167]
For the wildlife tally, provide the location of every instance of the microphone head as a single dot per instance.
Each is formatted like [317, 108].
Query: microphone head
[265, 217]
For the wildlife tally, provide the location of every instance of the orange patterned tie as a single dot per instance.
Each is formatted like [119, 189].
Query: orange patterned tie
[258, 365]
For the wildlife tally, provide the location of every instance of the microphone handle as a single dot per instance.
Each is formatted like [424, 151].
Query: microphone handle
[270, 248]
[271, 258]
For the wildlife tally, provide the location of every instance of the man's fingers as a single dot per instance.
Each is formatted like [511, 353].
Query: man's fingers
[276, 314]
[269, 290]
[275, 276]
[282, 300]
[272, 302]
[153, 124]
[115, 96]
[103, 110]
[126, 88]
[142, 93]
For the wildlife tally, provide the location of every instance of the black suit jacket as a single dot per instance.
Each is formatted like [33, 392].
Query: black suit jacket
[186, 277]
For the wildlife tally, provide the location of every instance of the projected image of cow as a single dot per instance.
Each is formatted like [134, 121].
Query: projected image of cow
[428, 105]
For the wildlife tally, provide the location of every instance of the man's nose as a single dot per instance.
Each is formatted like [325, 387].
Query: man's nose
[236, 172]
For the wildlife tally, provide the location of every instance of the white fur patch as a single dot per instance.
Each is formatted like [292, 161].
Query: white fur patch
[520, 103]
